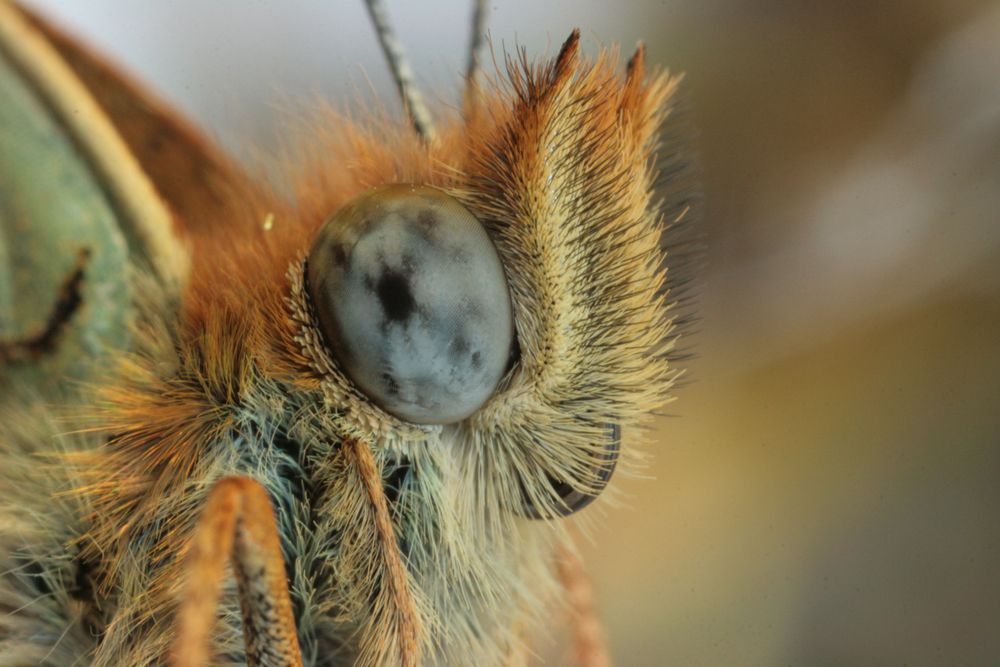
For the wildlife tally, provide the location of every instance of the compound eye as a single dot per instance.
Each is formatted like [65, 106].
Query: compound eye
[413, 302]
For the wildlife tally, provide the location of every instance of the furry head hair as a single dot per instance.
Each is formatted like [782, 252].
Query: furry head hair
[436, 563]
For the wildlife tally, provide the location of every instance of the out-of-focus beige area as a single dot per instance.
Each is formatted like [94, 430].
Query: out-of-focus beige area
[829, 491]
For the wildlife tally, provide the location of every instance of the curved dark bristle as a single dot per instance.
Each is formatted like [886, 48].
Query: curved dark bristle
[567, 56]
[636, 67]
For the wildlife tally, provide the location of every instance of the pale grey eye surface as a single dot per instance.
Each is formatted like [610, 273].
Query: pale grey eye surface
[412, 299]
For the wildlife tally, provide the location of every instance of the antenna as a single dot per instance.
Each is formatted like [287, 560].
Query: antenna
[413, 101]
[474, 63]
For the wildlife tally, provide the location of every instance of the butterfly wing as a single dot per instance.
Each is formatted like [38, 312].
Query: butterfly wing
[77, 209]
[195, 178]
[77, 215]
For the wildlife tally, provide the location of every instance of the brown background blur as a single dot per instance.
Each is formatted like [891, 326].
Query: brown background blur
[829, 493]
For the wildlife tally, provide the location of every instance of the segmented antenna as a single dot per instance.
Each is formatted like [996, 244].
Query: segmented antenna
[413, 101]
[476, 40]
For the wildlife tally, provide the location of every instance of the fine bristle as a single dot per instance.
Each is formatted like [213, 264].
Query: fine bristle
[678, 177]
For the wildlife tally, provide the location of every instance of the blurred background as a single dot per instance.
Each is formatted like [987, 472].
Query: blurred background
[828, 492]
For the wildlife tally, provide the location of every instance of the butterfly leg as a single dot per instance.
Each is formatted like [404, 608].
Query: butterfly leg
[237, 525]
[589, 643]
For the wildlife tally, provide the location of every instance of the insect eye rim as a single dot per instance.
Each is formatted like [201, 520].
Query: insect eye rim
[572, 500]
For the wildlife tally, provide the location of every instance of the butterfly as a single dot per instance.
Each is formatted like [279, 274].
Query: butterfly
[336, 410]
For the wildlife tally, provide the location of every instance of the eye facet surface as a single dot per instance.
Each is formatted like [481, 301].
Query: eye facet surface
[412, 299]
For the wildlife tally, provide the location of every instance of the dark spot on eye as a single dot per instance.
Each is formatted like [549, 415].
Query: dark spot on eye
[427, 219]
[477, 360]
[459, 346]
[339, 252]
[391, 386]
[472, 312]
[395, 296]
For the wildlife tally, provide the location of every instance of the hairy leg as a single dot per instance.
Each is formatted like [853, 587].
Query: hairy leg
[589, 643]
[237, 525]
